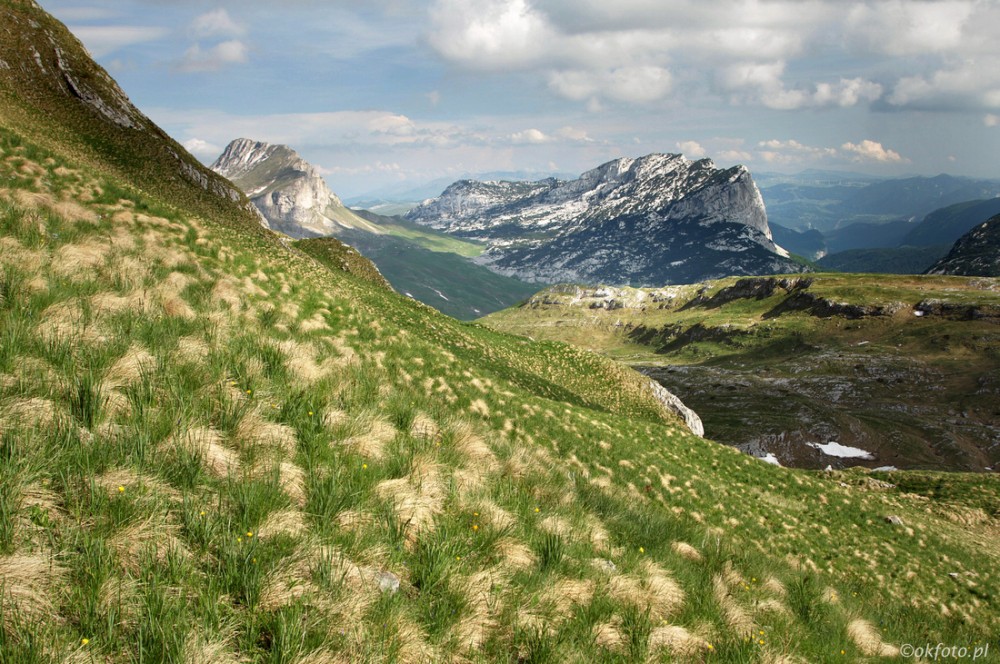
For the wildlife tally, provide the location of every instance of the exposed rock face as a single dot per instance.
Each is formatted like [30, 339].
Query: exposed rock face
[976, 254]
[675, 405]
[648, 221]
[288, 191]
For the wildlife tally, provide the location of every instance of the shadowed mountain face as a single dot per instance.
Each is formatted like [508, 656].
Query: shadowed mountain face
[656, 219]
[977, 253]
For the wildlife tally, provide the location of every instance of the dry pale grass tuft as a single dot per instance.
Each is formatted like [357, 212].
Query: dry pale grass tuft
[326, 656]
[207, 443]
[424, 427]
[481, 591]
[317, 322]
[74, 213]
[120, 595]
[28, 261]
[30, 412]
[413, 642]
[79, 260]
[608, 635]
[677, 641]
[293, 482]
[335, 418]
[28, 589]
[283, 522]
[129, 368]
[302, 364]
[566, 594]
[192, 350]
[227, 292]
[376, 434]
[354, 520]
[685, 550]
[152, 537]
[515, 554]
[65, 321]
[660, 595]
[128, 482]
[738, 619]
[255, 431]
[417, 498]
[868, 640]
[199, 649]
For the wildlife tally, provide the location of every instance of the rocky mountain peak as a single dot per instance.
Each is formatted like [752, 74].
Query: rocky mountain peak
[635, 221]
[288, 190]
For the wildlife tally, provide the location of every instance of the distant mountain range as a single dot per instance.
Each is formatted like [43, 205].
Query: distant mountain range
[430, 267]
[653, 220]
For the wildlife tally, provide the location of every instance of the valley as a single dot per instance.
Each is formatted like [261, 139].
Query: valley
[776, 366]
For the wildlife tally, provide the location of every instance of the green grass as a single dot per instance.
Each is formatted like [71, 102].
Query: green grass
[214, 448]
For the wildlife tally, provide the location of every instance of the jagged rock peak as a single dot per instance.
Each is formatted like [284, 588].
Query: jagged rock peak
[288, 190]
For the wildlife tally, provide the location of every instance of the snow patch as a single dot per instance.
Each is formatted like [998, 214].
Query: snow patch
[441, 295]
[771, 459]
[841, 451]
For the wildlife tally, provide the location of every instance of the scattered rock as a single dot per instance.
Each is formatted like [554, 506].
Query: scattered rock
[388, 583]
[894, 520]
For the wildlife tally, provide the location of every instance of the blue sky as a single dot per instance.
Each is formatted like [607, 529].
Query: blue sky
[384, 94]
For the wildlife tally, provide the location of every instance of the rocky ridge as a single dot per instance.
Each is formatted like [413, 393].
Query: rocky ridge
[976, 254]
[288, 191]
[647, 221]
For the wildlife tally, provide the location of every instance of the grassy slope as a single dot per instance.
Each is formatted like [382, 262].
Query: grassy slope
[918, 392]
[213, 448]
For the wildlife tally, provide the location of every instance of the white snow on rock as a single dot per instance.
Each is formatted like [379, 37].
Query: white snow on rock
[771, 459]
[841, 451]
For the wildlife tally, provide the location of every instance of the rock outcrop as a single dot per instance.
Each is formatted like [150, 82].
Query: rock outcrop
[649, 221]
[288, 191]
[976, 254]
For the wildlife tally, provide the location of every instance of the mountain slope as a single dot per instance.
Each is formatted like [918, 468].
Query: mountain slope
[977, 253]
[657, 219]
[217, 448]
[947, 225]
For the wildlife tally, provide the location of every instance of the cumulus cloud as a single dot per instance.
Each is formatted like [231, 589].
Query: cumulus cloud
[202, 149]
[635, 50]
[533, 136]
[872, 151]
[630, 84]
[217, 23]
[776, 151]
[223, 54]
[904, 27]
[692, 149]
[735, 156]
[212, 26]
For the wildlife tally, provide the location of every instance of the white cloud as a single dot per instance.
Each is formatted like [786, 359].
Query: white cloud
[202, 149]
[868, 150]
[735, 156]
[104, 40]
[223, 54]
[489, 34]
[791, 151]
[217, 23]
[991, 120]
[592, 50]
[629, 84]
[574, 134]
[905, 27]
[533, 136]
[762, 83]
[692, 149]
